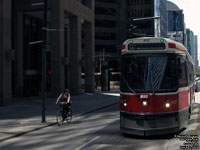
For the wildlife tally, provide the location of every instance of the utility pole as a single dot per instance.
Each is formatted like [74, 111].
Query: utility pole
[146, 18]
[44, 62]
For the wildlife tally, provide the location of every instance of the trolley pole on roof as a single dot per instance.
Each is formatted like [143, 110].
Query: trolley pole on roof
[44, 61]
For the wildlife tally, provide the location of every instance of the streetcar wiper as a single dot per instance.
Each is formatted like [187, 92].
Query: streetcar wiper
[128, 85]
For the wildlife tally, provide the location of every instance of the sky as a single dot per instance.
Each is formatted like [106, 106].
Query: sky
[191, 10]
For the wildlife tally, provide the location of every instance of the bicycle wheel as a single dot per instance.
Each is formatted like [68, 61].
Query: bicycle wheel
[69, 116]
[59, 118]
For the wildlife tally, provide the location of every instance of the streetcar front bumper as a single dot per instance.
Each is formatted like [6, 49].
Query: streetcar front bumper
[149, 124]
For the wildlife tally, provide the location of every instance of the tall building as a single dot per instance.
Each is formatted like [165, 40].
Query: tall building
[190, 42]
[196, 50]
[108, 32]
[69, 46]
[114, 24]
[144, 9]
[176, 25]
[113, 19]
[178, 32]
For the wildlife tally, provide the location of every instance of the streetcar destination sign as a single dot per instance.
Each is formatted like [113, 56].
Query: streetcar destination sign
[146, 46]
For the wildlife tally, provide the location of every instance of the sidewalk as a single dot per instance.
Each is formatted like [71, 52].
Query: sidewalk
[24, 115]
[197, 97]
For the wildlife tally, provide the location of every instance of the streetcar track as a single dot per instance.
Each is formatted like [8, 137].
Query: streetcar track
[115, 144]
[85, 144]
[120, 140]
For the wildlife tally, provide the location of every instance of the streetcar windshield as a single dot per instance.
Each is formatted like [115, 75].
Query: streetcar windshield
[149, 73]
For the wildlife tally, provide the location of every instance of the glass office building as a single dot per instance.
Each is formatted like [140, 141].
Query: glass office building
[176, 25]
[192, 45]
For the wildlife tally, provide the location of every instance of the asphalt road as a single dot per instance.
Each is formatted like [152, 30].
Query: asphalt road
[100, 131]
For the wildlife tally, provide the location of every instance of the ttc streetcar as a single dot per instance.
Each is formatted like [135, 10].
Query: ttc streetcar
[156, 87]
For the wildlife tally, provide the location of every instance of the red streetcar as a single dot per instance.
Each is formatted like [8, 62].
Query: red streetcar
[157, 86]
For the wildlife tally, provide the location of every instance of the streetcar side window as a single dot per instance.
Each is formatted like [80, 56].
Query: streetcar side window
[190, 72]
[182, 72]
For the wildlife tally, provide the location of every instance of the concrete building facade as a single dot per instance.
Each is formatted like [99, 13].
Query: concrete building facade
[110, 32]
[69, 47]
[5, 52]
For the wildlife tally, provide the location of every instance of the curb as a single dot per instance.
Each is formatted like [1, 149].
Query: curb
[52, 124]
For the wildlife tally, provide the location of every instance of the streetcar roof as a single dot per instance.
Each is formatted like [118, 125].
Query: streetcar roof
[161, 45]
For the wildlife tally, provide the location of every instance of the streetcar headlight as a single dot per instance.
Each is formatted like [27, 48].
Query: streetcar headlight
[125, 103]
[144, 103]
[167, 104]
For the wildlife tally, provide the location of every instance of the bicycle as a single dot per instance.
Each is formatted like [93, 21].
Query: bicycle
[63, 114]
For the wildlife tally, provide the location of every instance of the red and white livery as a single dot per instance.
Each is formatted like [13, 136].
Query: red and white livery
[156, 88]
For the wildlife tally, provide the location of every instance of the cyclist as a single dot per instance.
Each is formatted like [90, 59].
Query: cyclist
[64, 97]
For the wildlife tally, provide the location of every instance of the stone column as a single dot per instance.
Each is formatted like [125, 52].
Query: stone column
[89, 58]
[18, 48]
[57, 47]
[5, 53]
[75, 54]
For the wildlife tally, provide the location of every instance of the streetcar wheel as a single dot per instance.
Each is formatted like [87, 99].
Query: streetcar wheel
[59, 118]
[69, 116]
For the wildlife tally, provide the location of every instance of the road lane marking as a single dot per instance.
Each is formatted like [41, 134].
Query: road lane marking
[92, 140]
[195, 121]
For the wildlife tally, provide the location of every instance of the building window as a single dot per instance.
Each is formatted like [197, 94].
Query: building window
[105, 23]
[105, 11]
[104, 35]
[147, 13]
[107, 1]
[83, 2]
[147, 1]
[87, 3]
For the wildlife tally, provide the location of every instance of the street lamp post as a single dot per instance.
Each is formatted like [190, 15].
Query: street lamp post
[43, 41]
[44, 62]
[146, 18]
